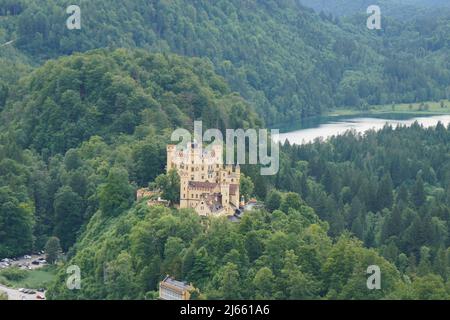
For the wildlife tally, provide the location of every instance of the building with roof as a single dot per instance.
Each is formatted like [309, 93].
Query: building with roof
[171, 289]
[206, 184]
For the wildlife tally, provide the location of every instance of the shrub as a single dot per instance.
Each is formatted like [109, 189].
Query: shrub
[13, 274]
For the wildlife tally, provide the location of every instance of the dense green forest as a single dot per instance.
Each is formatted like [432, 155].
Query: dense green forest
[334, 209]
[85, 116]
[101, 102]
[394, 8]
[282, 57]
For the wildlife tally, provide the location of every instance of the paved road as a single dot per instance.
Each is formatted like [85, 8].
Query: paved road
[14, 294]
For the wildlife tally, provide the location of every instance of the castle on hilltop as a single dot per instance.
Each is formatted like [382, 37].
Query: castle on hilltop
[206, 184]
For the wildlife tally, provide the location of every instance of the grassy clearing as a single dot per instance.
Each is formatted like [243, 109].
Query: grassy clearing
[32, 279]
[425, 108]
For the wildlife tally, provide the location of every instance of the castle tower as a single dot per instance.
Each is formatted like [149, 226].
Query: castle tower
[225, 190]
[206, 184]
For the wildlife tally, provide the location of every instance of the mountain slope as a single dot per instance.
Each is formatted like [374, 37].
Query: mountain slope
[285, 59]
[397, 8]
[265, 256]
[76, 122]
[67, 101]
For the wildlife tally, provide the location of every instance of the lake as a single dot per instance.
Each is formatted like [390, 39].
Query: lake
[326, 127]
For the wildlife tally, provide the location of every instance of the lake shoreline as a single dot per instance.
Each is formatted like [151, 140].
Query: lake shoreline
[326, 127]
[403, 109]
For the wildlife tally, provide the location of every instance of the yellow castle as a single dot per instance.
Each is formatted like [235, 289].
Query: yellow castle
[206, 184]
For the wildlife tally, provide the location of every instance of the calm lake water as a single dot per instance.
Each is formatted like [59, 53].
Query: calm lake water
[326, 127]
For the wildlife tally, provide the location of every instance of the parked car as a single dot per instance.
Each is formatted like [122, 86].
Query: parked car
[35, 262]
[40, 297]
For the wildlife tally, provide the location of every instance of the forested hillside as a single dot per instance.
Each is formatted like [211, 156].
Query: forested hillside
[393, 8]
[117, 107]
[337, 207]
[109, 93]
[286, 60]
[85, 116]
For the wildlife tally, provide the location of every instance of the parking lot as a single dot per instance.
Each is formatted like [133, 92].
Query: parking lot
[27, 262]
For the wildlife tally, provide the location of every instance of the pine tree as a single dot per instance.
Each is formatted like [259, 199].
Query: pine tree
[385, 194]
[418, 192]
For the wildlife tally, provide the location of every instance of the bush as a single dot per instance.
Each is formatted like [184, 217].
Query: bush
[13, 274]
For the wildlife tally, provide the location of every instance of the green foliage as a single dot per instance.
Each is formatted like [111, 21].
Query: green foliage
[13, 274]
[52, 250]
[291, 201]
[55, 189]
[169, 184]
[79, 134]
[69, 217]
[111, 93]
[273, 201]
[246, 187]
[116, 194]
[288, 61]
[16, 224]
[141, 246]
[4, 92]
[37, 278]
